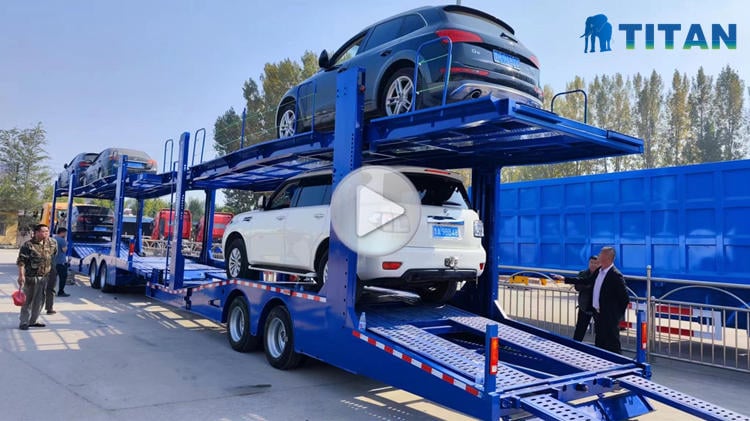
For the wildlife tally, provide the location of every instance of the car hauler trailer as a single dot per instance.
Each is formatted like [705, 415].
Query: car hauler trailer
[466, 355]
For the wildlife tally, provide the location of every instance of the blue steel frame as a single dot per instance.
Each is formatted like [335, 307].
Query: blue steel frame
[404, 345]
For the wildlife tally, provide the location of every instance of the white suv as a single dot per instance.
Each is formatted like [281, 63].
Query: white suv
[291, 235]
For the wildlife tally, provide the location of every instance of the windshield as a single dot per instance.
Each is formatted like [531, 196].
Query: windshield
[437, 190]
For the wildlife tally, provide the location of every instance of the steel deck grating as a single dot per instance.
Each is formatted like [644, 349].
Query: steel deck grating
[507, 334]
[687, 403]
[85, 250]
[457, 358]
[550, 408]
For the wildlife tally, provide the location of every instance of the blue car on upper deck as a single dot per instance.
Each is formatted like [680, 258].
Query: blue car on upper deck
[487, 58]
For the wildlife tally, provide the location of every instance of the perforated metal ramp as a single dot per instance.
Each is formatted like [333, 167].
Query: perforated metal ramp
[461, 360]
[549, 408]
[679, 400]
[508, 335]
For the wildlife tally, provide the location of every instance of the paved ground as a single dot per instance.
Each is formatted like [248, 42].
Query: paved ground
[122, 357]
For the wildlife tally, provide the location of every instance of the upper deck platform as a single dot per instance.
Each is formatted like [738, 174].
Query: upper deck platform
[486, 132]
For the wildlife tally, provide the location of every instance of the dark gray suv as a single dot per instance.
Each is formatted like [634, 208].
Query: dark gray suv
[487, 59]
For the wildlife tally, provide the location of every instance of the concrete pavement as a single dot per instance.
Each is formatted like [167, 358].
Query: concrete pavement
[122, 357]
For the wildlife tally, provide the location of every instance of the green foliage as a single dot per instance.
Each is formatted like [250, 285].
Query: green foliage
[22, 177]
[260, 124]
[152, 206]
[196, 208]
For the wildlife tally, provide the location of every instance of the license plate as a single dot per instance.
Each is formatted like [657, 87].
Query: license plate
[441, 231]
[506, 59]
[101, 229]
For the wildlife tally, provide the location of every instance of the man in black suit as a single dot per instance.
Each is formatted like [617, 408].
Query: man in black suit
[609, 301]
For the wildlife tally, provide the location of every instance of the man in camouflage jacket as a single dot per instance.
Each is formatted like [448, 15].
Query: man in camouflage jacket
[34, 263]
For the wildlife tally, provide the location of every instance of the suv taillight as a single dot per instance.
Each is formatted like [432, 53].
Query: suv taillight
[478, 229]
[457, 35]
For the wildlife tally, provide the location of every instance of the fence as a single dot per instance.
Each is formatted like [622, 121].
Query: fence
[702, 333]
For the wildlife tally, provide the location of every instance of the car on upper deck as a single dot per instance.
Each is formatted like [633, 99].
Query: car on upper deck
[486, 58]
[291, 234]
[106, 163]
[79, 163]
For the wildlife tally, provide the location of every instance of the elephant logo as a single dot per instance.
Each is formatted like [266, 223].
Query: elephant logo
[597, 26]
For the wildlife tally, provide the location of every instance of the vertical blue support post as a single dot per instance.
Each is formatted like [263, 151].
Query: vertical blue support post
[480, 298]
[119, 200]
[347, 145]
[139, 227]
[53, 211]
[490, 365]
[208, 226]
[176, 259]
[641, 335]
[72, 184]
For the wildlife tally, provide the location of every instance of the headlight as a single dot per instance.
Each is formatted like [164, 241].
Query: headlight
[478, 229]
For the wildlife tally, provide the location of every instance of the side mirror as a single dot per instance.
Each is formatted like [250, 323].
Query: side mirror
[65, 166]
[323, 61]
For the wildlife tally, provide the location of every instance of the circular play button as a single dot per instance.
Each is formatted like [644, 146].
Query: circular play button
[375, 210]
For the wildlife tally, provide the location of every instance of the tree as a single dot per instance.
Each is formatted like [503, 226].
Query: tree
[196, 207]
[678, 119]
[152, 206]
[260, 124]
[22, 177]
[728, 118]
[647, 116]
[700, 100]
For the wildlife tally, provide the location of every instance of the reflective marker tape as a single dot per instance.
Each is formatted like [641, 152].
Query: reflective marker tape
[416, 363]
[303, 295]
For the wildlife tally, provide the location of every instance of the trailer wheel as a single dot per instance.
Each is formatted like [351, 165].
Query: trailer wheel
[104, 277]
[279, 340]
[321, 268]
[94, 275]
[238, 327]
[236, 260]
[438, 293]
[108, 285]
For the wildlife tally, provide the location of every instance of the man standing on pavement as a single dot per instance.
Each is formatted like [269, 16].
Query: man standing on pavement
[583, 283]
[34, 263]
[59, 272]
[609, 301]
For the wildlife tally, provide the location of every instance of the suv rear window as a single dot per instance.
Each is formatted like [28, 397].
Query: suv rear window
[435, 190]
[478, 22]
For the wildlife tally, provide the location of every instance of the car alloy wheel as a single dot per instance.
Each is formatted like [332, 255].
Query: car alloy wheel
[287, 126]
[399, 94]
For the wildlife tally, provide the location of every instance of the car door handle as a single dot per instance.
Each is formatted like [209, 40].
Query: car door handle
[319, 215]
[385, 53]
[247, 218]
[280, 217]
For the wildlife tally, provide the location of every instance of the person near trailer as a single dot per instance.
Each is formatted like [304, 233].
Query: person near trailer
[58, 275]
[584, 284]
[35, 259]
[609, 301]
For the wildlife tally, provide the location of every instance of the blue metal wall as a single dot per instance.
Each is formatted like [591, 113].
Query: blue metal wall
[690, 222]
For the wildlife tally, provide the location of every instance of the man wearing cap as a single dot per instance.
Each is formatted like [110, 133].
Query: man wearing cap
[34, 263]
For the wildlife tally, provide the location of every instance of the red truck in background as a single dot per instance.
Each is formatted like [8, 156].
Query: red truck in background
[163, 222]
[221, 219]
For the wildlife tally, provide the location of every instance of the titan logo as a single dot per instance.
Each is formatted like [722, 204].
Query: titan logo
[695, 36]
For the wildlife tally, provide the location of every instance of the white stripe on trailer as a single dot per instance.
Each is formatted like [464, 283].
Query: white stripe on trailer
[421, 365]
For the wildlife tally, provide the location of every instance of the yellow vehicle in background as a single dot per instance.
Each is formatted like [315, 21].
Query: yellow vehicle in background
[61, 213]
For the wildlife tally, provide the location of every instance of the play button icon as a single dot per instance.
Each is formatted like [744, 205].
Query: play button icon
[375, 210]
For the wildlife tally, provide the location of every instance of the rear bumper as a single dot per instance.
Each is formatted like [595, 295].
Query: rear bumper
[422, 265]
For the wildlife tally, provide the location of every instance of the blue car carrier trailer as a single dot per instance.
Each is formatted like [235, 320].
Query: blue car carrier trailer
[466, 355]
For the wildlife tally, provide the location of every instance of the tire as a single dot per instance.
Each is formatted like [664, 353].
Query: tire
[321, 268]
[286, 120]
[438, 293]
[278, 336]
[94, 275]
[397, 96]
[238, 327]
[236, 260]
[104, 277]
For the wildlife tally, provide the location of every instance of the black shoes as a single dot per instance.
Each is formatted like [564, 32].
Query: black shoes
[63, 294]
[24, 327]
[51, 312]
[38, 325]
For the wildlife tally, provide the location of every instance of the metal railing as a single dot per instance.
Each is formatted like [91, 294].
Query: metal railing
[707, 334]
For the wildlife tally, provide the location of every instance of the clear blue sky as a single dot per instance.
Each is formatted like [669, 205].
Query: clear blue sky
[134, 73]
